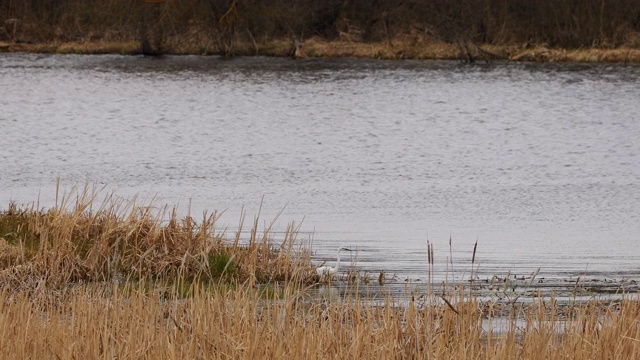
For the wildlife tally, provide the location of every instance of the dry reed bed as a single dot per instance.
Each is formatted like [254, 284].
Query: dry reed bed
[241, 323]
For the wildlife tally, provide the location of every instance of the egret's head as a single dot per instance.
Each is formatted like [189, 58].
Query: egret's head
[345, 249]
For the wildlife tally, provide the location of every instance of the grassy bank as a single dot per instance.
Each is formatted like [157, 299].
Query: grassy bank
[319, 48]
[97, 277]
[405, 29]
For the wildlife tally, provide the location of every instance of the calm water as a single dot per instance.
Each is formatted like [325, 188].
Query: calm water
[539, 163]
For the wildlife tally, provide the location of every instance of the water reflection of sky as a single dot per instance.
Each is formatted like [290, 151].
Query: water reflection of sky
[538, 162]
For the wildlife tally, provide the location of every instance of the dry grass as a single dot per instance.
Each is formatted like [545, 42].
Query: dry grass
[93, 48]
[318, 47]
[82, 240]
[124, 48]
[242, 323]
[543, 54]
[187, 292]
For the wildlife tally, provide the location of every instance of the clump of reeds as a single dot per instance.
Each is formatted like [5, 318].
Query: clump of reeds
[82, 240]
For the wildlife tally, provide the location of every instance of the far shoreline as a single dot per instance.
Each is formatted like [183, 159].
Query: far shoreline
[320, 48]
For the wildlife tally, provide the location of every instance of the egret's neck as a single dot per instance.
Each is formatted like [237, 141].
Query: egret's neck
[338, 262]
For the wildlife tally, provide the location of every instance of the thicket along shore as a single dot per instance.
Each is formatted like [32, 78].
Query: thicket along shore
[590, 31]
[97, 277]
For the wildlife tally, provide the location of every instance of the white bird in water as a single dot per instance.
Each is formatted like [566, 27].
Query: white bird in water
[328, 271]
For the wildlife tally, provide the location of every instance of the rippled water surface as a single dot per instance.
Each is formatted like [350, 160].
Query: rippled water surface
[538, 163]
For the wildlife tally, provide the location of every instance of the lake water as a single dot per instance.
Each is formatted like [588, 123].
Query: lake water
[537, 162]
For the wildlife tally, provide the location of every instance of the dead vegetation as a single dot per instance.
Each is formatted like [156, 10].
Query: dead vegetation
[471, 31]
[79, 242]
[243, 322]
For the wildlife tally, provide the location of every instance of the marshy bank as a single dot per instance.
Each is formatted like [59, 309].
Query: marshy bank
[95, 278]
[319, 48]
[606, 31]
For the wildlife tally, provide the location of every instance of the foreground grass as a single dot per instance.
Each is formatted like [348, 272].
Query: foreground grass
[84, 280]
[240, 324]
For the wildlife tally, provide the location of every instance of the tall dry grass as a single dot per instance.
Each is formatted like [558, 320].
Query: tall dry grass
[242, 323]
[83, 240]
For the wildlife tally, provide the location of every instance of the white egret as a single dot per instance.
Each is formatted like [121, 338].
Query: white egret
[328, 271]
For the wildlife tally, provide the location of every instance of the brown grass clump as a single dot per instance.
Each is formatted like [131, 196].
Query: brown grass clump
[77, 243]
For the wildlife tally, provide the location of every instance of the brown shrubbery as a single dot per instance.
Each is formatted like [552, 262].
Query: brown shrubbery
[224, 26]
